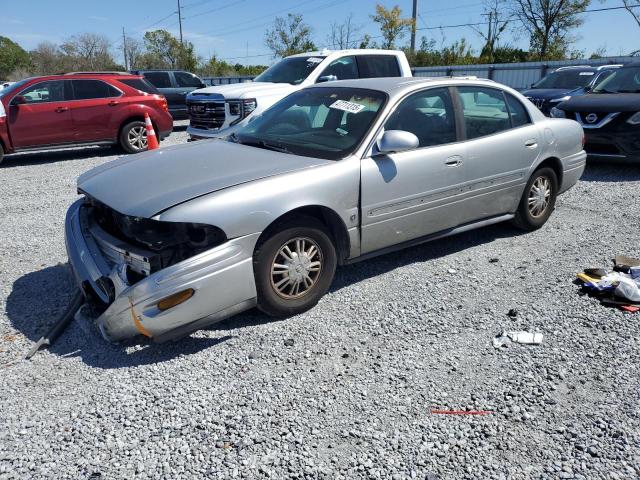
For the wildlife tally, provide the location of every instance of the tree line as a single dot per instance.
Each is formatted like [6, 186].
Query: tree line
[549, 24]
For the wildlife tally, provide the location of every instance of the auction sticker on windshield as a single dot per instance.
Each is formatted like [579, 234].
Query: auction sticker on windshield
[314, 60]
[346, 106]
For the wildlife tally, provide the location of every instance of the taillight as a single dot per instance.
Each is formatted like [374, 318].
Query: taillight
[163, 104]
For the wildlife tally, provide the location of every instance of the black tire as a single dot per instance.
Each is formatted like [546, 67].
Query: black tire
[282, 301]
[532, 212]
[127, 141]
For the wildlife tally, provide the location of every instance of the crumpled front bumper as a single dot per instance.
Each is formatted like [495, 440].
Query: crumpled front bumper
[222, 280]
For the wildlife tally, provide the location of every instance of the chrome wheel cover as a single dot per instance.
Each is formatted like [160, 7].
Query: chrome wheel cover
[539, 197]
[296, 268]
[137, 137]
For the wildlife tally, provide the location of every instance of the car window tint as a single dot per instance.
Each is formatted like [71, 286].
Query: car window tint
[484, 110]
[371, 66]
[87, 89]
[158, 79]
[344, 68]
[43, 92]
[140, 84]
[184, 79]
[517, 112]
[428, 114]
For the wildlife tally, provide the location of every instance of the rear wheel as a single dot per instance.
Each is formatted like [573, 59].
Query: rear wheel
[294, 267]
[133, 137]
[538, 200]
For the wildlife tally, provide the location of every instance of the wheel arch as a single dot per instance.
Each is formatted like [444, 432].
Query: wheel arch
[327, 216]
[555, 164]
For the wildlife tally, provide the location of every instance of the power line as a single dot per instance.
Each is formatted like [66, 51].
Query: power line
[206, 12]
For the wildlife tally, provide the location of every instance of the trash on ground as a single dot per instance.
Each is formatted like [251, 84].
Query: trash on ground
[619, 287]
[526, 338]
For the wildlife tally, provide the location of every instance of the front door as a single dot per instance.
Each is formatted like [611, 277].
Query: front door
[410, 194]
[92, 110]
[39, 115]
[502, 144]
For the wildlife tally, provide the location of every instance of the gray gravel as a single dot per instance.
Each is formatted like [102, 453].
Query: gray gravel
[345, 390]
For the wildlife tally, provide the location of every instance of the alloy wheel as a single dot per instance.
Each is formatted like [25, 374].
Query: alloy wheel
[137, 137]
[539, 196]
[296, 267]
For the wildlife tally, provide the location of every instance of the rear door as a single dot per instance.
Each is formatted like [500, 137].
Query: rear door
[502, 144]
[411, 194]
[39, 115]
[165, 83]
[95, 102]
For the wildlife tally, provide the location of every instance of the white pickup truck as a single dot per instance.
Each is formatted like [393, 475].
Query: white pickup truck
[219, 110]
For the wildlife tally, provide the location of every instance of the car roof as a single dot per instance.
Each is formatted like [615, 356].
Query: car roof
[393, 84]
[352, 51]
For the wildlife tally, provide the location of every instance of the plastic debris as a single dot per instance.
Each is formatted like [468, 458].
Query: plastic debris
[620, 288]
[526, 338]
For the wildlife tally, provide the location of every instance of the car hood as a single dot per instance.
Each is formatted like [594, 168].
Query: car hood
[146, 184]
[244, 90]
[603, 102]
[547, 93]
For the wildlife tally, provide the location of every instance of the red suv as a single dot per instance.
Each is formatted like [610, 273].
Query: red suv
[80, 109]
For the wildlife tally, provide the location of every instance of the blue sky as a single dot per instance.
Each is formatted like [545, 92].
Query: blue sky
[233, 29]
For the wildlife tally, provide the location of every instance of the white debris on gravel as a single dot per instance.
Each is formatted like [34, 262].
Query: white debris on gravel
[346, 389]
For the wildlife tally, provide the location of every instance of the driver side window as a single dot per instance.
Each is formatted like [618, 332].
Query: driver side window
[429, 115]
[44, 92]
[343, 68]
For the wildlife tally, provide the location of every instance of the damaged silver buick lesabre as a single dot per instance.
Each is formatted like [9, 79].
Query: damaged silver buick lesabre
[171, 241]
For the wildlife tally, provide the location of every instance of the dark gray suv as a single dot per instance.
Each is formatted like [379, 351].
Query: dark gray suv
[174, 85]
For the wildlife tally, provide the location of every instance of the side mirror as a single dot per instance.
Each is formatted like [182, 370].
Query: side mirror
[18, 100]
[327, 78]
[202, 85]
[394, 141]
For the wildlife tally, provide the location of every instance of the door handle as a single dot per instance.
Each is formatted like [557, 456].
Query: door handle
[454, 161]
[531, 143]
[113, 103]
[61, 109]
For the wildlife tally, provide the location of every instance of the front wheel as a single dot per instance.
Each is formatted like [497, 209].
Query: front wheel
[133, 137]
[294, 267]
[538, 200]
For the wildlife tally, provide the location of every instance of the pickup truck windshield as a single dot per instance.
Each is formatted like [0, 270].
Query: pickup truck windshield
[326, 123]
[625, 80]
[290, 70]
[565, 80]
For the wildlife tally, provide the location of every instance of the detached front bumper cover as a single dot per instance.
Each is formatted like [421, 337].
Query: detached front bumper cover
[221, 278]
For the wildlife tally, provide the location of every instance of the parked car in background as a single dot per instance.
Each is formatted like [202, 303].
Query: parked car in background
[78, 109]
[610, 116]
[332, 174]
[564, 83]
[220, 110]
[5, 84]
[175, 85]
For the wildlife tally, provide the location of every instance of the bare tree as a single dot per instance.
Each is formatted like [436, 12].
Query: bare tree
[89, 51]
[550, 24]
[133, 50]
[46, 59]
[633, 7]
[497, 22]
[289, 36]
[343, 35]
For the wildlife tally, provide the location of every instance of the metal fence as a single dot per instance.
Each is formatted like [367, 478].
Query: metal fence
[516, 75]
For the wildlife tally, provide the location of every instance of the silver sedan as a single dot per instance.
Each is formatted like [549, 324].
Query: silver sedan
[171, 241]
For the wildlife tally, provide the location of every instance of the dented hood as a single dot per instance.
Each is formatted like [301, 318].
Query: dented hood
[146, 184]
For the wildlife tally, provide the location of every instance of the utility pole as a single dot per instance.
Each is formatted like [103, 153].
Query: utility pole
[414, 15]
[124, 50]
[180, 20]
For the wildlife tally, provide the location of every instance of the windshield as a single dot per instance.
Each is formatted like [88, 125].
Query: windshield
[624, 80]
[292, 70]
[565, 80]
[13, 87]
[326, 123]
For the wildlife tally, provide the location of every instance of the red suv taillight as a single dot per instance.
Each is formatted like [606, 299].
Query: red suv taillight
[163, 104]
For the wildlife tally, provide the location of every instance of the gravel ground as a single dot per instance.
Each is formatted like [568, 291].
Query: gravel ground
[345, 390]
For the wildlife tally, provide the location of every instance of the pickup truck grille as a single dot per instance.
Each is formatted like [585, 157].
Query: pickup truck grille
[206, 115]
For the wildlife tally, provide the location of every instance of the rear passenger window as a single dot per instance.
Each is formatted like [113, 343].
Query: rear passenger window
[184, 79]
[428, 114]
[158, 79]
[140, 84]
[484, 110]
[86, 89]
[371, 66]
[517, 112]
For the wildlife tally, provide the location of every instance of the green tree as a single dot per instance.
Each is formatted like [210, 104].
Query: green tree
[12, 57]
[392, 26]
[289, 36]
[163, 50]
[550, 24]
